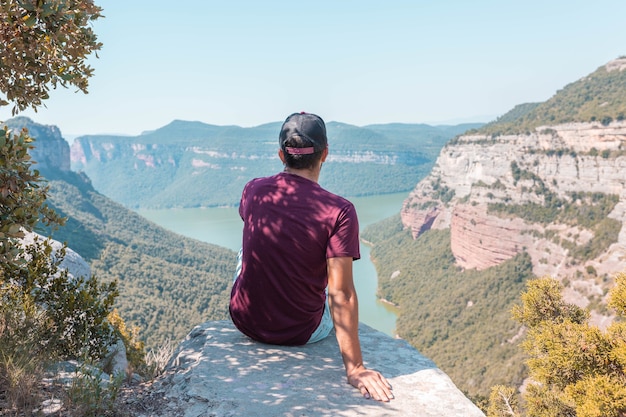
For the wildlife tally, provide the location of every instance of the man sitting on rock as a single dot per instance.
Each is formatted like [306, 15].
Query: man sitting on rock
[295, 267]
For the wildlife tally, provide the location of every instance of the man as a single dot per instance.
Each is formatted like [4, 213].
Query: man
[299, 242]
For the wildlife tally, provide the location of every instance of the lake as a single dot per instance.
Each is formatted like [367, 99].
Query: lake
[222, 226]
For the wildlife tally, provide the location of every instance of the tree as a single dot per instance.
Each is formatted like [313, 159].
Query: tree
[22, 199]
[576, 370]
[45, 314]
[44, 43]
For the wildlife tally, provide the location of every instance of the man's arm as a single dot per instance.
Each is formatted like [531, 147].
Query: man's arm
[344, 308]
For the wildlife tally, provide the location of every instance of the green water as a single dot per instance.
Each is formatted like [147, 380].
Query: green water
[222, 226]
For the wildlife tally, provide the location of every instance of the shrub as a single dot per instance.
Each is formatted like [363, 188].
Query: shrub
[575, 368]
[45, 314]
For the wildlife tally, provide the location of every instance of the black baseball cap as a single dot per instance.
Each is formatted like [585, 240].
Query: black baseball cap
[302, 134]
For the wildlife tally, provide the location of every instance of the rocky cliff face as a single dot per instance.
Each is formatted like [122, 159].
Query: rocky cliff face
[488, 191]
[51, 150]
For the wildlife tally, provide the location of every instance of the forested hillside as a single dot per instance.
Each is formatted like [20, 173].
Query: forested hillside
[167, 283]
[596, 97]
[459, 319]
[192, 164]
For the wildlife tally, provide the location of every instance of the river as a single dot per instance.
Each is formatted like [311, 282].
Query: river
[222, 226]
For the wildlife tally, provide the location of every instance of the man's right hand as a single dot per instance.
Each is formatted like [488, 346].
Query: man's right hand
[371, 384]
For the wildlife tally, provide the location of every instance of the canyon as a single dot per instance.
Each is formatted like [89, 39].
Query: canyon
[474, 172]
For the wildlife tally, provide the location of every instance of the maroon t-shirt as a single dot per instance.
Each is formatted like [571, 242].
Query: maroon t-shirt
[291, 226]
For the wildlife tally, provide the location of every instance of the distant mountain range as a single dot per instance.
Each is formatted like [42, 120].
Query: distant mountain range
[193, 164]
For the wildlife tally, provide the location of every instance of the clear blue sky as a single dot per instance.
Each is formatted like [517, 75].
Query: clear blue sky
[359, 62]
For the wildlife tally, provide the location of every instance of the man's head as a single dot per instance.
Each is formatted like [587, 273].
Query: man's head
[303, 140]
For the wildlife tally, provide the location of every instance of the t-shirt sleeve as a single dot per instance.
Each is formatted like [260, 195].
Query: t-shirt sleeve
[344, 240]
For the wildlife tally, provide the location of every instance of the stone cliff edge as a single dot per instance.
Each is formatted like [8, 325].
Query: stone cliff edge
[216, 371]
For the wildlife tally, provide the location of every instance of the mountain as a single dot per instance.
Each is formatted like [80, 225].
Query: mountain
[541, 191]
[193, 164]
[167, 283]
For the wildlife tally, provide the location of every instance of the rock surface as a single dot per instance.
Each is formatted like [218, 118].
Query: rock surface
[52, 152]
[216, 371]
[75, 265]
[475, 171]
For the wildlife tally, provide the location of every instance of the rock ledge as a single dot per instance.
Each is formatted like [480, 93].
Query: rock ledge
[216, 371]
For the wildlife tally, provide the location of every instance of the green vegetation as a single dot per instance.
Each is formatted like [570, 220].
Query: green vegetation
[598, 97]
[64, 39]
[576, 369]
[459, 319]
[45, 314]
[167, 283]
[192, 164]
[584, 209]
[161, 282]
[442, 193]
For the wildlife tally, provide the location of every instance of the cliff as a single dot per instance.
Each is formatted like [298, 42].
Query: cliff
[216, 371]
[538, 192]
[51, 153]
[192, 164]
[557, 192]
[477, 171]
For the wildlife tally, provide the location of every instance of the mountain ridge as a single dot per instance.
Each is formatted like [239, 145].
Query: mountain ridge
[192, 164]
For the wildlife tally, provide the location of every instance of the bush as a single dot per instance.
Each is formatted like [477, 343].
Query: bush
[575, 368]
[45, 314]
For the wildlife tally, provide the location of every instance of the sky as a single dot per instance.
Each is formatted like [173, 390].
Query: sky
[361, 62]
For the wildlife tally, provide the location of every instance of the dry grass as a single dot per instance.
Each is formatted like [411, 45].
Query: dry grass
[156, 360]
[19, 377]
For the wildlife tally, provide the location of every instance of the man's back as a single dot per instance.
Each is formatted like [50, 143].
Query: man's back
[291, 226]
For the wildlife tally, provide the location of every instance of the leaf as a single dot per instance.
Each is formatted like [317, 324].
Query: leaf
[30, 20]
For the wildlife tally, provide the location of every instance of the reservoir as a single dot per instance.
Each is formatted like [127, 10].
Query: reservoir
[222, 226]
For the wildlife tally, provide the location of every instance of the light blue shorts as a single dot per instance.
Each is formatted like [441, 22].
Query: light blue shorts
[326, 324]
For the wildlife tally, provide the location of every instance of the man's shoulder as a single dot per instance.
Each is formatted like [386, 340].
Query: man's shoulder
[342, 203]
[262, 180]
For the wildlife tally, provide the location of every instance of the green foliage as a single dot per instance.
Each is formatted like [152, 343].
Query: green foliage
[22, 199]
[459, 319]
[585, 209]
[135, 348]
[596, 97]
[383, 229]
[75, 308]
[167, 283]
[89, 396]
[503, 401]
[618, 299]
[576, 369]
[442, 193]
[543, 302]
[40, 304]
[44, 43]
[44, 313]
[599, 396]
